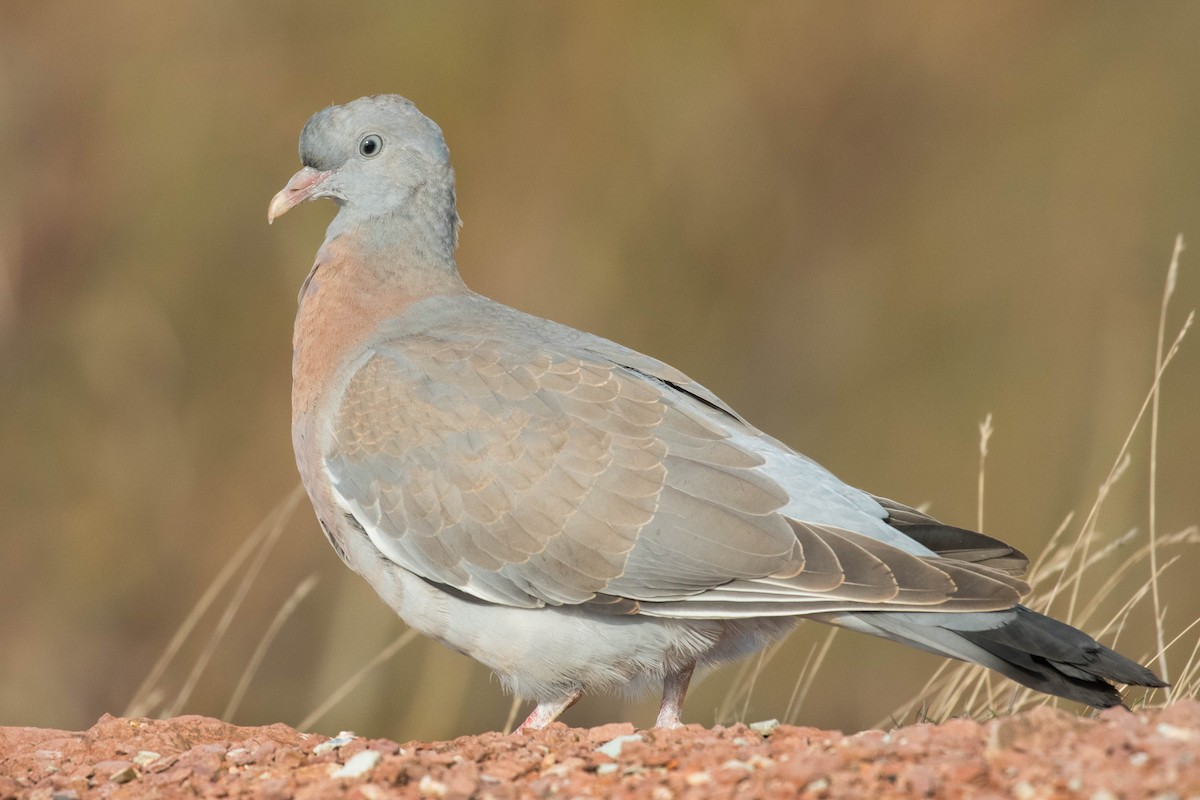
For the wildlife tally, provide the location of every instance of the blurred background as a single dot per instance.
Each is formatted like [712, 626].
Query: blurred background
[864, 225]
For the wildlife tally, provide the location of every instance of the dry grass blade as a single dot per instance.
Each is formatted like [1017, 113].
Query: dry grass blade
[1039, 566]
[807, 675]
[919, 704]
[143, 701]
[1117, 622]
[1062, 567]
[1187, 536]
[754, 680]
[273, 524]
[1168, 290]
[147, 695]
[513, 709]
[723, 715]
[1123, 454]
[1188, 682]
[289, 607]
[355, 679]
[741, 689]
[985, 433]
[1087, 534]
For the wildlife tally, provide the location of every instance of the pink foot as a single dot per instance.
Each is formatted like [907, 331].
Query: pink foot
[547, 711]
[675, 686]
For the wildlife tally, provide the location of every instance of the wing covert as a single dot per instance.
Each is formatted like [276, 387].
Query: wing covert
[528, 477]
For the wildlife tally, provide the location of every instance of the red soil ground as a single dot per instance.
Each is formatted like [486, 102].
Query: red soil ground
[1041, 754]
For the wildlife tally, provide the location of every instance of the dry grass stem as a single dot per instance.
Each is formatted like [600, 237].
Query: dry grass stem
[274, 524]
[807, 675]
[1168, 290]
[285, 612]
[741, 688]
[150, 693]
[1064, 566]
[348, 685]
[753, 680]
[513, 709]
[985, 433]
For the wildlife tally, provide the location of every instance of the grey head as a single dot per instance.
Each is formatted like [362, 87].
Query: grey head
[387, 167]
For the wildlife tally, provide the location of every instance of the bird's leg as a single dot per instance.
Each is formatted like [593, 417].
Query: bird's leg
[675, 686]
[548, 710]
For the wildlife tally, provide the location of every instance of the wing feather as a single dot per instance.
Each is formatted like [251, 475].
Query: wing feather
[529, 475]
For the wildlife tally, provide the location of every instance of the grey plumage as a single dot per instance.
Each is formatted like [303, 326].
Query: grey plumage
[574, 514]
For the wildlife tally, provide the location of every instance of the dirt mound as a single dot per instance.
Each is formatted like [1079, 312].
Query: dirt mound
[1044, 753]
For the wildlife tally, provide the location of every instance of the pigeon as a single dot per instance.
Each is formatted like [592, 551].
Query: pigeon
[578, 516]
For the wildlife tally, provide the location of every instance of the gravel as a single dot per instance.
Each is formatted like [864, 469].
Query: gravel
[1044, 753]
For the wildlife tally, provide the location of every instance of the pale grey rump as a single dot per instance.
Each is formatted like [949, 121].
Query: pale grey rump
[578, 516]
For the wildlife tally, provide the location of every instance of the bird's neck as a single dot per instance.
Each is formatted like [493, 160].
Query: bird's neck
[350, 292]
[419, 229]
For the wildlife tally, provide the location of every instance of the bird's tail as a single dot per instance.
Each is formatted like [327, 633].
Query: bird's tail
[1031, 648]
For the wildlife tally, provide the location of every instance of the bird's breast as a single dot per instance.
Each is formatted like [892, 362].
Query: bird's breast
[342, 304]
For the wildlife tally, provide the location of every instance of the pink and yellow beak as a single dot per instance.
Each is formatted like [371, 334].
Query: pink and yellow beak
[298, 189]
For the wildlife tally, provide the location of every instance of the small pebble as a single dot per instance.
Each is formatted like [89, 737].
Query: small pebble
[341, 740]
[359, 764]
[1174, 732]
[240, 757]
[1022, 790]
[765, 727]
[428, 787]
[123, 775]
[612, 748]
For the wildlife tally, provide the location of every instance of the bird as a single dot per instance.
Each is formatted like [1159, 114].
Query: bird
[578, 516]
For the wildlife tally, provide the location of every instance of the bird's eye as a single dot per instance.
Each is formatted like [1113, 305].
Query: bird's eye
[370, 145]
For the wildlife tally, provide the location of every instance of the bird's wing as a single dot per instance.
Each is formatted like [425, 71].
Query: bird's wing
[956, 543]
[530, 474]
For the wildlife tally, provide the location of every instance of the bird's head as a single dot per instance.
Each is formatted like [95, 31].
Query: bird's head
[384, 163]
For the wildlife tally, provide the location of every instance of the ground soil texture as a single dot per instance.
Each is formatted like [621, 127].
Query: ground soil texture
[1043, 753]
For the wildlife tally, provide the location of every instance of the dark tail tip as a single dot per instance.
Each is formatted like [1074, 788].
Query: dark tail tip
[1052, 657]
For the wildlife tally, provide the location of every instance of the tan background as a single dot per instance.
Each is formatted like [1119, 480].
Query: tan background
[865, 225]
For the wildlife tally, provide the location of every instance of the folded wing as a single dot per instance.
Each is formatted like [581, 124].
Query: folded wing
[526, 476]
